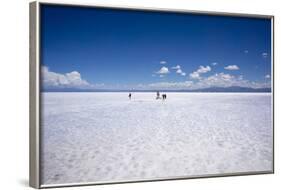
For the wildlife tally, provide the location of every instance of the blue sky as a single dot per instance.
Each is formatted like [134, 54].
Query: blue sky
[121, 49]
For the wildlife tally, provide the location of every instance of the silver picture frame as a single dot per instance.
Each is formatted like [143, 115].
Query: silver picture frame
[34, 93]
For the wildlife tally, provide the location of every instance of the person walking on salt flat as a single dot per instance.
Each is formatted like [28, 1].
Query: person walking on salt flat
[130, 96]
[157, 95]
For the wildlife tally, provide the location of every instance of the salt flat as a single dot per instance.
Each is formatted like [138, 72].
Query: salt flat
[92, 137]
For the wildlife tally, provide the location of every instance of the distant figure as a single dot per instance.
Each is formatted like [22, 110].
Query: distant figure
[130, 96]
[164, 96]
[157, 95]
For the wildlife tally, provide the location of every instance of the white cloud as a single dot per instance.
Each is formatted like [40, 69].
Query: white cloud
[246, 51]
[200, 70]
[219, 77]
[163, 62]
[267, 76]
[176, 67]
[194, 75]
[203, 69]
[214, 63]
[232, 67]
[161, 76]
[170, 85]
[179, 71]
[53, 79]
[264, 54]
[163, 70]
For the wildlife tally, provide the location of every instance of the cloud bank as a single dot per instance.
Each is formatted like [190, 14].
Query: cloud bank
[74, 80]
[56, 80]
[217, 80]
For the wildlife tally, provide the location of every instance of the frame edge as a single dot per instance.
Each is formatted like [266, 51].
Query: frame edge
[153, 9]
[34, 172]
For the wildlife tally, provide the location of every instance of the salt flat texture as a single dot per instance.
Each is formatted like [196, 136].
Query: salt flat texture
[92, 137]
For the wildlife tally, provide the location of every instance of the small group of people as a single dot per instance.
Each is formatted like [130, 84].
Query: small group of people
[164, 96]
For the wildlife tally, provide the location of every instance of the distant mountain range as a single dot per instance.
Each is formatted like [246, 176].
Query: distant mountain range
[211, 89]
